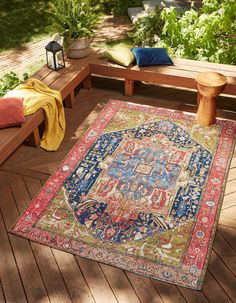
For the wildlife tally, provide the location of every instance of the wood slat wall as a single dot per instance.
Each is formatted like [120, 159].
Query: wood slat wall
[30, 272]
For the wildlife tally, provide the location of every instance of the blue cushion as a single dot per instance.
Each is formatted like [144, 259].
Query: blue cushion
[151, 56]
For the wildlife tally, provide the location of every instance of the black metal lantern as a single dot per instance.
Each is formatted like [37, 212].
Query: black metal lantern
[55, 56]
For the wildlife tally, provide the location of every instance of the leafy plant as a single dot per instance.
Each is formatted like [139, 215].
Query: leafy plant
[73, 18]
[9, 81]
[147, 29]
[207, 34]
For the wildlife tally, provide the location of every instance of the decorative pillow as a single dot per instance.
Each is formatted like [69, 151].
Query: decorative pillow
[120, 54]
[11, 112]
[151, 56]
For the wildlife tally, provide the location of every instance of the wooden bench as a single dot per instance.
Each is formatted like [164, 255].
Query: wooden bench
[181, 74]
[65, 81]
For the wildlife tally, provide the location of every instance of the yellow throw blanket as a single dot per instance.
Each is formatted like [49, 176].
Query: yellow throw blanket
[38, 95]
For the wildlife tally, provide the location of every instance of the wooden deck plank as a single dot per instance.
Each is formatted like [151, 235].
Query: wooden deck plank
[168, 292]
[225, 252]
[24, 171]
[51, 275]
[10, 278]
[144, 288]
[229, 200]
[96, 280]
[216, 296]
[192, 296]
[233, 162]
[33, 186]
[230, 187]
[232, 174]
[229, 212]
[229, 234]
[35, 291]
[73, 277]
[227, 222]
[43, 165]
[2, 299]
[120, 284]
[223, 275]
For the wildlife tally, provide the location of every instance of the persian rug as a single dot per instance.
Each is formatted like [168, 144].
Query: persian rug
[141, 190]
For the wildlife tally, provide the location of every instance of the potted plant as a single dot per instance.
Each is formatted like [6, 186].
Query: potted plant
[75, 22]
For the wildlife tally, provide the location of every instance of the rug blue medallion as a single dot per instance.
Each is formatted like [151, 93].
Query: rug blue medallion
[139, 188]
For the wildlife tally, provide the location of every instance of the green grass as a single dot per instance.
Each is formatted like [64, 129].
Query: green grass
[21, 22]
[34, 67]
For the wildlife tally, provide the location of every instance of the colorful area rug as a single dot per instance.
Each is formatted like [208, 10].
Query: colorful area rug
[141, 191]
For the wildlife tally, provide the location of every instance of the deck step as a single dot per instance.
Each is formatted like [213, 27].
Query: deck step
[150, 5]
[139, 12]
[136, 12]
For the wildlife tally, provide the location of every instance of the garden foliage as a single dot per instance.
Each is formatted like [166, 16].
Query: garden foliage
[207, 34]
[9, 81]
[73, 18]
[147, 30]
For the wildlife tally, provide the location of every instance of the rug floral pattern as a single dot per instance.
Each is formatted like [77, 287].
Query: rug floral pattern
[140, 191]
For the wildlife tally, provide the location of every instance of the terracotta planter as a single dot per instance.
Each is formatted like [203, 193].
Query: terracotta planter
[78, 48]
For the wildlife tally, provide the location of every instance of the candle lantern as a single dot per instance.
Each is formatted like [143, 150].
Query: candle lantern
[55, 56]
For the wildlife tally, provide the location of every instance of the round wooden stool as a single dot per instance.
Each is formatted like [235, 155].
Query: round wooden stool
[209, 85]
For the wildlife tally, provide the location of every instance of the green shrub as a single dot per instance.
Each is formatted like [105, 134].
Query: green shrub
[207, 34]
[147, 29]
[9, 81]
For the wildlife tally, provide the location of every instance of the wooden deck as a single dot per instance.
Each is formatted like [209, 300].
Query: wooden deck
[30, 272]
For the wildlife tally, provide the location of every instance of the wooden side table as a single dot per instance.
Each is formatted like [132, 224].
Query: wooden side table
[209, 85]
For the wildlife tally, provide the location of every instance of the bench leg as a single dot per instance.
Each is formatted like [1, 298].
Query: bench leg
[34, 138]
[129, 87]
[87, 82]
[69, 101]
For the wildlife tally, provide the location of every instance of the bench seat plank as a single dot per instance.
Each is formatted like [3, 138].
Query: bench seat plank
[204, 64]
[199, 69]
